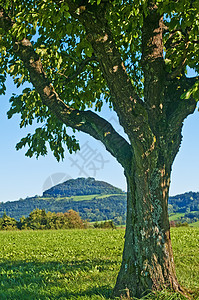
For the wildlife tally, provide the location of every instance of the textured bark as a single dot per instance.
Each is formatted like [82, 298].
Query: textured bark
[148, 263]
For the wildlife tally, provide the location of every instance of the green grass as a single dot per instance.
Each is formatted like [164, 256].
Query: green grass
[175, 217]
[185, 243]
[195, 224]
[83, 197]
[91, 197]
[80, 264]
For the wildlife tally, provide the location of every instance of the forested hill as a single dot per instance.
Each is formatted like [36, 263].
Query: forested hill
[94, 200]
[184, 202]
[81, 186]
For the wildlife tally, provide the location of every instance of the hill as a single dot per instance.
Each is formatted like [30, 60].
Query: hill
[184, 202]
[81, 186]
[107, 202]
[94, 200]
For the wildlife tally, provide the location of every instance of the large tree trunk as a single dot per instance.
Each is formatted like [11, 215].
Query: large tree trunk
[148, 262]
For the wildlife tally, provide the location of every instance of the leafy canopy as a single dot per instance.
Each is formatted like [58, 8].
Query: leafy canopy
[70, 63]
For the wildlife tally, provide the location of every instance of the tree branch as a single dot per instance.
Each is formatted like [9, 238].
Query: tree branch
[126, 102]
[80, 68]
[170, 44]
[131, 110]
[178, 70]
[179, 109]
[191, 80]
[86, 121]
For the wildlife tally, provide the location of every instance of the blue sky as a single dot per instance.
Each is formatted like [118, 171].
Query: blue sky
[21, 176]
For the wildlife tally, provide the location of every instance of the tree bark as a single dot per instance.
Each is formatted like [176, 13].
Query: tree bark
[148, 263]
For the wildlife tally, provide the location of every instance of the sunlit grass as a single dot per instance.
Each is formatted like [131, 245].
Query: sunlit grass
[176, 216]
[195, 224]
[88, 197]
[80, 264]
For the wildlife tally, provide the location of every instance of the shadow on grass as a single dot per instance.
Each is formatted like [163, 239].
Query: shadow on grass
[68, 280]
[86, 279]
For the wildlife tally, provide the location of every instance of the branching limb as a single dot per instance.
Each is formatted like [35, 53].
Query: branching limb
[79, 70]
[178, 110]
[124, 97]
[5, 20]
[179, 69]
[86, 121]
[130, 109]
[172, 43]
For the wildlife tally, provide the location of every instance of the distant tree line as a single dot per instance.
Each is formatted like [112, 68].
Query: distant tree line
[184, 203]
[178, 224]
[39, 219]
[98, 209]
[112, 207]
[105, 224]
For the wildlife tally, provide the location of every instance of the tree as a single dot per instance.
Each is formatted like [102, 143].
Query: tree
[8, 223]
[133, 55]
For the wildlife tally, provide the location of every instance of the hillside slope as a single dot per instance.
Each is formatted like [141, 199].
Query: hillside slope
[93, 208]
[185, 202]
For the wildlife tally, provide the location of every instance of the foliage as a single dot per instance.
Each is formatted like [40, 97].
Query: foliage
[95, 208]
[7, 223]
[38, 219]
[179, 224]
[187, 201]
[80, 264]
[63, 46]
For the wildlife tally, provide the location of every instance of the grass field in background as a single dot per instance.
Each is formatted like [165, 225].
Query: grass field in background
[195, 224]
[82, 197]
[80, 264]
[175, 216]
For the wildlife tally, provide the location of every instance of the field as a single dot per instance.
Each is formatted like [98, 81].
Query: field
[176, 216]
[80, 264]
[86, 197]
[196, 224]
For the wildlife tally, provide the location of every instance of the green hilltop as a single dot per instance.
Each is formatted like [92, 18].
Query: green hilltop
[81, 186]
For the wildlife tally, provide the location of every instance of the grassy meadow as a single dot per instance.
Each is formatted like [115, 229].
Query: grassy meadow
[175, 216]
[84, 197]
[196, 224]
[80, 264]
